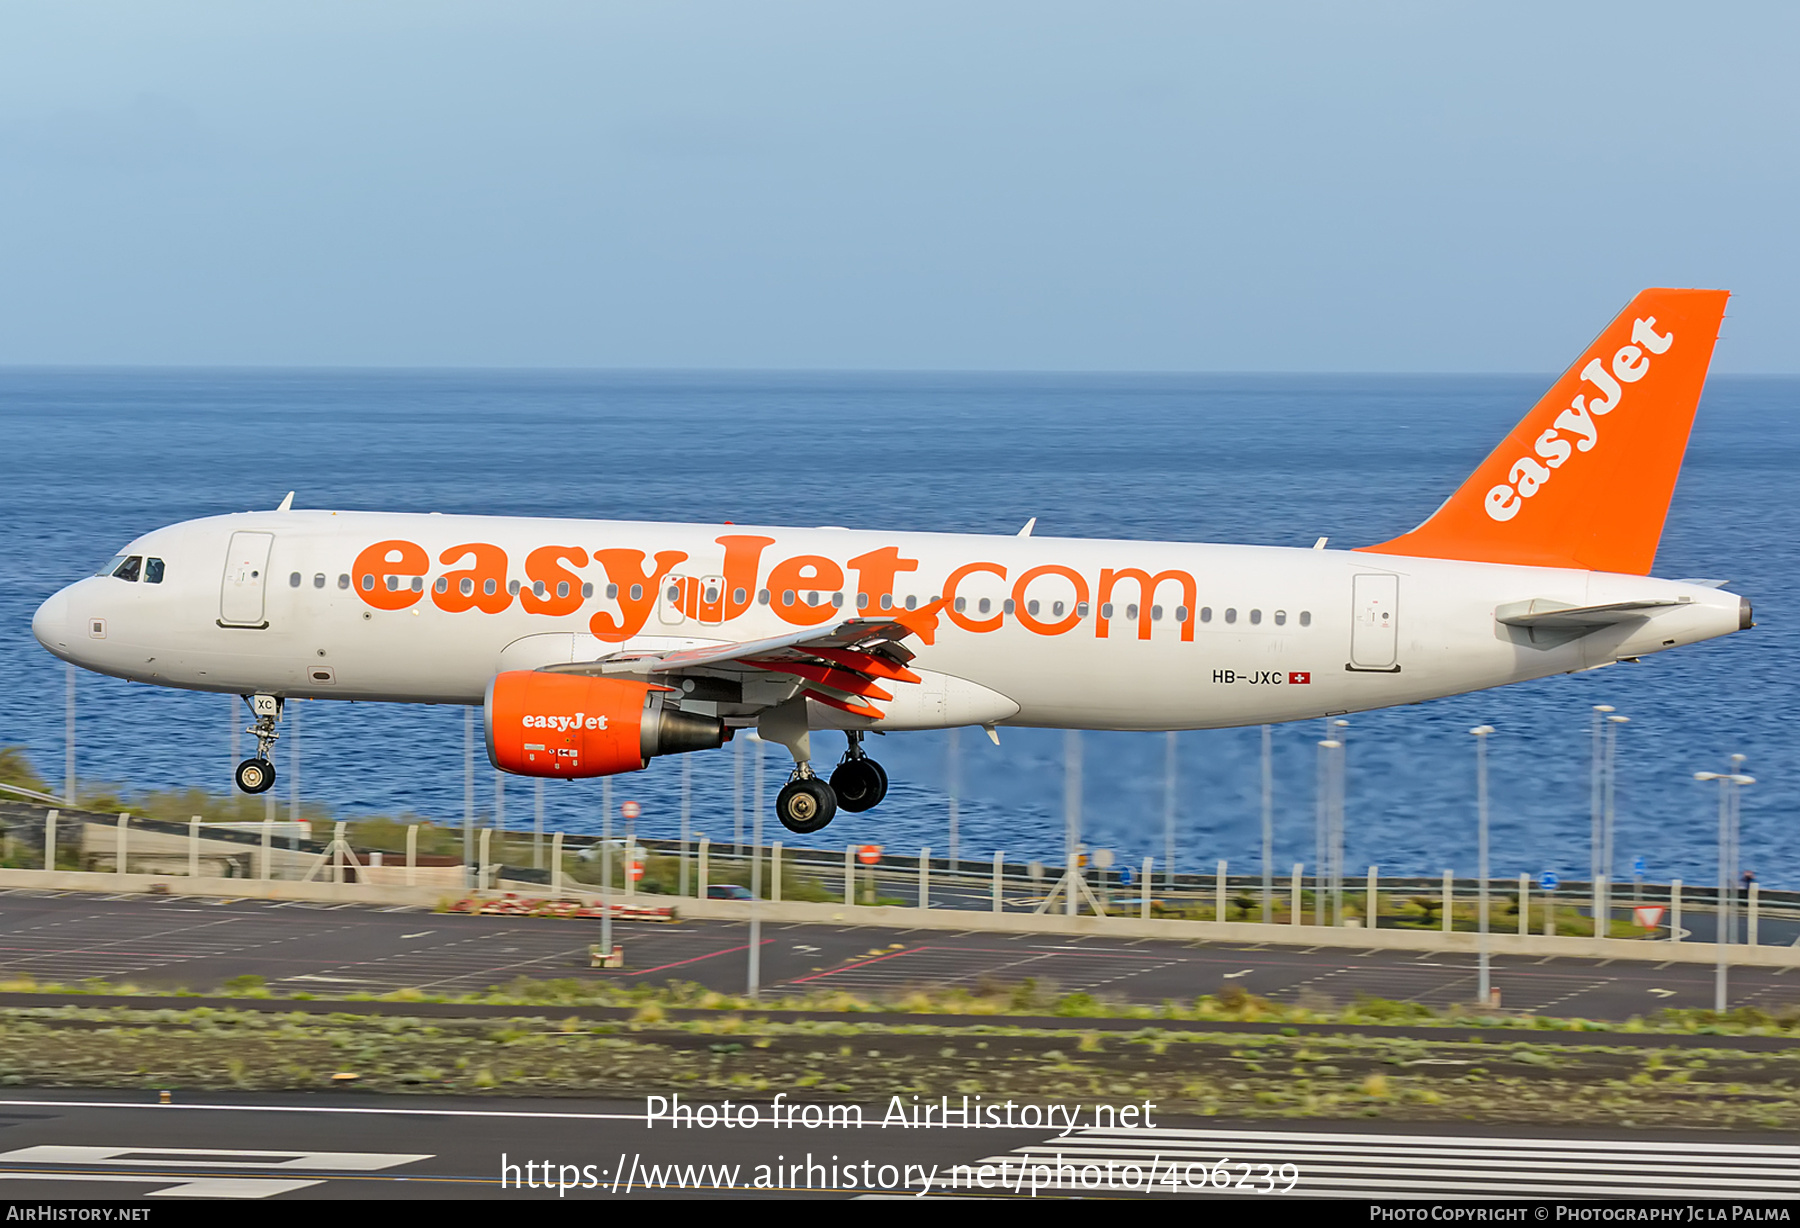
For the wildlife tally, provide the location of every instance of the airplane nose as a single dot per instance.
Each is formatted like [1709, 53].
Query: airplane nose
[50, 625]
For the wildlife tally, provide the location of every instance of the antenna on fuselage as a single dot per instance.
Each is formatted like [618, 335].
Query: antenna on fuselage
[287, 504]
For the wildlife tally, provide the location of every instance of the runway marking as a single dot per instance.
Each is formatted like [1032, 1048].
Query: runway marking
[159, 1166]
[1422, 1166]
[420, 934]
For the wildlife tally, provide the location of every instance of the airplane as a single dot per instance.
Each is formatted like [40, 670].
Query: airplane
[594, 646]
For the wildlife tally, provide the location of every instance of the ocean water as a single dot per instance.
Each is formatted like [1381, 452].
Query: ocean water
[95, 457]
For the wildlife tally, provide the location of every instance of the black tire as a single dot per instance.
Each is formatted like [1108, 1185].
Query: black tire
[805, 806]
[255, 776]
[860, 784]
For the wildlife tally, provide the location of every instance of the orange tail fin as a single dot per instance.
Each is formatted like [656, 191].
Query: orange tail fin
[1585, 479]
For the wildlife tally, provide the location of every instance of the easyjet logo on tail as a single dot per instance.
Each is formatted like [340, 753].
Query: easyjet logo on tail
[1567, 487]
[1630, 363]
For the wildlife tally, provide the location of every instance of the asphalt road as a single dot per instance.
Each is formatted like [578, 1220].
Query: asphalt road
[332, 950]
[114, 1146]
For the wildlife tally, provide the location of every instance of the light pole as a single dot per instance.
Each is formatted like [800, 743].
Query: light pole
[687, 807]
[606, 866]
[468, 796]
[1729, 784]
[1321, 820]
[1268, 827]
[537, 825]
[1603, 884]
[1336, 849]
[950, 771]
[1481, 732]
[1169, 761]
[1071, 817]
[756, 820]
[69, 736]
[1596, 788]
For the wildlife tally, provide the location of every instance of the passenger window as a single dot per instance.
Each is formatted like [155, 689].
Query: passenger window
[294, 580]
[1081, 610]
[368, 583]
[1281, 618]
[787, 596]
[488, 587]
[1230, 616]
[962, 603]
[1205, 613]
[674, 593]
[1131, 610]
[1255, 617]
[762, 597]
[587, 590]
[1006, 607]
[812, 599]
[512, 587]
[318, 580]
[1031, 608]
[887, 601]
[738, 596]
[153, 571]
[418, 584]
[538, 588]
[442, 585]
[984, 605]
[466, 586]
[1056, 608]
[1181, 613]
[637, 592]
[1306, 618]
[862, 601]
[837, 600]
[129, 569]
[1155, 613]
[1106, 609]
[562, 588]
[344, 581]
[612, 591]
[912, 602]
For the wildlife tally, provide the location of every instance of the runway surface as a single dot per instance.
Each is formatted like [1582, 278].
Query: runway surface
[337, 949]
[103, 1146]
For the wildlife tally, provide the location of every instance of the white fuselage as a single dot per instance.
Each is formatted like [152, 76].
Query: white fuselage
[1040, 631]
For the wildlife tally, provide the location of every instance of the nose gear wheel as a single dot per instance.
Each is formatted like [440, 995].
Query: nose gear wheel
[805, 805]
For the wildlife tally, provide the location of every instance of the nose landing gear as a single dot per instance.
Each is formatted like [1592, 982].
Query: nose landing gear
[257, 775]
[806, 803]
[859, 782]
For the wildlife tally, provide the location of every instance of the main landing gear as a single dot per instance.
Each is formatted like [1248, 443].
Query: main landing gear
[257, 775]
[806, 803]
[859, 781]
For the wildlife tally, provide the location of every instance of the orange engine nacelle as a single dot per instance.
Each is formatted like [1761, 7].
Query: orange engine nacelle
[570, 725]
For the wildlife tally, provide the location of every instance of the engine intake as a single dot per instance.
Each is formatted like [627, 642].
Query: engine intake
[569, 725]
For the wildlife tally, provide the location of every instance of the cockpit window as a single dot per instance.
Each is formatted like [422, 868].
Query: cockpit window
[111, 565]
[129, 569]
[153, 571]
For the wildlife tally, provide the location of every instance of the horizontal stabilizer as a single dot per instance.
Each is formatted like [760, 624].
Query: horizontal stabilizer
[1543, 612]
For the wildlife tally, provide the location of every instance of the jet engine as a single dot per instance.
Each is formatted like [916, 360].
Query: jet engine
[542, 724]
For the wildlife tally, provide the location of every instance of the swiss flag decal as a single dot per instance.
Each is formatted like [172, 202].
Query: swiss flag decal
[1299, 678]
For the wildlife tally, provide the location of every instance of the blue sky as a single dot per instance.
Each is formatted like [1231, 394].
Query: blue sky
[1111, 186]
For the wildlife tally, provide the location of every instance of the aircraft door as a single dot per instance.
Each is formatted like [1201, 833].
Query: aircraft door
[1375, 619]
[246, 580]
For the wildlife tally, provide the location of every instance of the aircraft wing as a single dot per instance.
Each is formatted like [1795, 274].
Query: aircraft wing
[842, 665]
